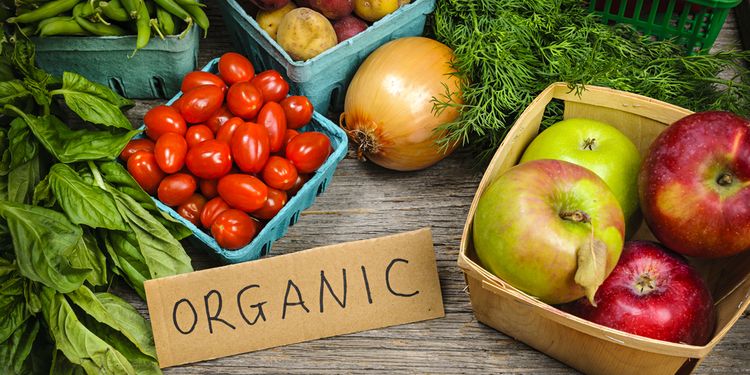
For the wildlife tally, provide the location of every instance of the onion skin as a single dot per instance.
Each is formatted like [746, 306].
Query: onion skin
[388, 109]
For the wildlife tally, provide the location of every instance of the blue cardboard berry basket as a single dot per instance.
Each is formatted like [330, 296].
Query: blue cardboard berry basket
[324, 78]
[289, 214]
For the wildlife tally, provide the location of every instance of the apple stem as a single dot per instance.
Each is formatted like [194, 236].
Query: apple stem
[577, 216]
[725, 179]
[645, 284]
[588, 144]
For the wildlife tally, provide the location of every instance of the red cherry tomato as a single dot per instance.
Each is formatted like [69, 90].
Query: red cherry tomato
[191, 208]
[243, 192]
[288, 135]
[135, 145]
[170, 151]
[209, 159]
[234, 229]
[298, 111]
[272, 85]
[244, 100]
[308, 151]
[201, 78]
[218, 118]
[200, 103]
[208, 188]
[211, 210]
[274, 203]
[272, 117]
[163, 119]
[298, 183]
[234, 68]
[176, 104]
[197, 134]
[176, 188]
[279, 173]
[146, 172]
[250, 147]
[227, 130]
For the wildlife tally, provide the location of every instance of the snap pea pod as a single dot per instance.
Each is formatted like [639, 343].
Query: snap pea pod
[143, 26]
[84, 9]
[172, 7]
[48, 20]
[100, 28]
[165, 21]
[113, 10]
[51, 9]
[133, 7]
[199, 16]
[67, 26]
[184, 3]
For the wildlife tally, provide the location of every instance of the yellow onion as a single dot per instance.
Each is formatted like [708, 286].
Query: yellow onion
[388, 110]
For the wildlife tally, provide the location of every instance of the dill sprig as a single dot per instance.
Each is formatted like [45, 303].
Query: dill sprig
[508, 51]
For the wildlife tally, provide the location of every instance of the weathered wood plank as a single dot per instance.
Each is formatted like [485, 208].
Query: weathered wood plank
[365, 201]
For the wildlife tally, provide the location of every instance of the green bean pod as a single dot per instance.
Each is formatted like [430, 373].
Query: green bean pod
[100, 28]
[51, 9]
[172, 7]
[48, 20]
[184, 3]
[199, 16]
[67, 26]
[166, 22]
[143, 26]
[113, 10]
[133, 7]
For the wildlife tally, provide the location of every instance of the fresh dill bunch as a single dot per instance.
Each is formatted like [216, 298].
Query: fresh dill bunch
[508, 51]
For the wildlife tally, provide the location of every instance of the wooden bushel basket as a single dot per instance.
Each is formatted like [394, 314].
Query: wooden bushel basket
[589, 347]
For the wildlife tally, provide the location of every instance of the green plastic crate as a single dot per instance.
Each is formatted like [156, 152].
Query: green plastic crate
[155, 71]
[692, 23]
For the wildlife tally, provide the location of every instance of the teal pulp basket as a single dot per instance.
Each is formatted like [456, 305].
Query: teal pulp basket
[289, 214]
[324, 78]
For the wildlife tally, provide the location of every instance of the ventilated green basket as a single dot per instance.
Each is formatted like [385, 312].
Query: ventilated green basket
[692, 23]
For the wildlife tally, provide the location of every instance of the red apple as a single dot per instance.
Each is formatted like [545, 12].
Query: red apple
[652, 292]
[694, 185]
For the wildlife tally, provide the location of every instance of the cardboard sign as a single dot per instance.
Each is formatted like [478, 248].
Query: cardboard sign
[321, 292]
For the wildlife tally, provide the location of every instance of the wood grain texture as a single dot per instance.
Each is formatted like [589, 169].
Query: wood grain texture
[365, 201]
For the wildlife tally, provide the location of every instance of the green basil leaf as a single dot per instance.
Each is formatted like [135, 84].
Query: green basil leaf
[121, 316]
[22, 145]
[44, 240]
[88, 255]
[70, 146]
[43, 194]
[5, 156]
[22, 180]
[163, 254]
[23, 59]
[83, 204]
[127, 258]
[78, 343]
[3, 188]
[31, 295]
[78, 83]
[16, 349]
[11, 91]
[143, 364]
[62, 366]
[38, 91]
[13, 311]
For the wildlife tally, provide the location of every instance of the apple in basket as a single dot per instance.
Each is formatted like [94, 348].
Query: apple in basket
[694, 185]
[550, 228]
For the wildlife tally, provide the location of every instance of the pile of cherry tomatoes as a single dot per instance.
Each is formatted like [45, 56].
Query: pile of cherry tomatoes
[227, 154]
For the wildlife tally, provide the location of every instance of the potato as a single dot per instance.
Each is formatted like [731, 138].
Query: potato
[348, 27]
[305, 33]
[269, 20]
[373, 10]
[332, 9]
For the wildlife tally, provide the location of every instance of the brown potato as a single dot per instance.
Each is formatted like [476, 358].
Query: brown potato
[270, 20]
[305, 33]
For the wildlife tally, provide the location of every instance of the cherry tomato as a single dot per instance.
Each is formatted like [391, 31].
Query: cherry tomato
[244, 100]
[218, 118]
[176, 104]
[279, 173]
[234, 229]
[227, 130]
[176, 188]
[146, 172]
[301, 180]
[298, 111]
[197, 134]
[200, 78]
[308, 151]
[234, 68]
[208, 188]
[274, 203]
[135, 145]
[191, 208]
[209, 159]
[200, 103]
[163, 119]
[211, 210]
[170, 151]
[272, 117]
[242, 191]
[288, 135]
[250, 147]
[272, 85]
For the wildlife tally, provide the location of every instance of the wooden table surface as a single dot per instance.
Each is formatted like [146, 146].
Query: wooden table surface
[366, 201]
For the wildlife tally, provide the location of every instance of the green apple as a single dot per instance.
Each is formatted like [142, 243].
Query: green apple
[598, 147]
[550, 228]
